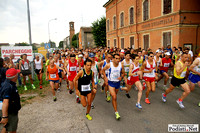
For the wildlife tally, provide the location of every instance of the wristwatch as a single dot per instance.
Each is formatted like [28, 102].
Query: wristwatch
[4, 117]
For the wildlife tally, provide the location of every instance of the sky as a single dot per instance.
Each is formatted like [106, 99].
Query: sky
[14, 20]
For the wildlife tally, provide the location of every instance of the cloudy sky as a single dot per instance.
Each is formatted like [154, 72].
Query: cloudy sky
[14, 23]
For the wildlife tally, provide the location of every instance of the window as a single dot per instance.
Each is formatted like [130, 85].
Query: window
[108, 43]
[115, 43]
[167, 6]
[146, 10]
[114, 22]
[108, 25]
[131, 12]
[166, 39]
[122, 19]
[122, 43]
[146, 41]
[132, 42]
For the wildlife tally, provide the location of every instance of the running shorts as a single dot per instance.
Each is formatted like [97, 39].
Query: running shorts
[194, 78]
[116, 85]
[132, 80]
[37, 71]
[149, 79]
[176, 82]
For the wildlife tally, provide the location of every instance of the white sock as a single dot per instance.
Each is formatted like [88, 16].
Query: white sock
[77, 96]
[116, 112]
[164, 85]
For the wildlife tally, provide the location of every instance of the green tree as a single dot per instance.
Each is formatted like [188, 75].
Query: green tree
[60, 44]
[22, 44]
[53, 44]
[75, 40]
[99, 31]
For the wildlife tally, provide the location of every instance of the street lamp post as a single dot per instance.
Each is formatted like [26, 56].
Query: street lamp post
[49, 29]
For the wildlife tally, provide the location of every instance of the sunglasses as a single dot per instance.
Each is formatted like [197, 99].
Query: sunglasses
[150, 56]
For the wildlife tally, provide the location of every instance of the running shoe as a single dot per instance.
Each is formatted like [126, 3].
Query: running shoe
[180, 103]
[40, 86]
[127, 94]
[147, 101]
[78, 100]
[163, 98]
[88, 117]
[25, 88]
[92, 105]
[67, 87]
[117, 116]
[144, 85]
[54, 99]
[199, 104]
[108, 98]
[70, 91]
[58, 90]
[138, 105]
[33, 86]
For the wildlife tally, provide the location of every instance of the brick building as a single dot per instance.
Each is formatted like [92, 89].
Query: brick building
[153, 23]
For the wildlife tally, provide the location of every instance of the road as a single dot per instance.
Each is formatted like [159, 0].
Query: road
[65, 115]
[153, 118]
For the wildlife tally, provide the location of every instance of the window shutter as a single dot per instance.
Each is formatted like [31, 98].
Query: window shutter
[131, 12]
[122, 43]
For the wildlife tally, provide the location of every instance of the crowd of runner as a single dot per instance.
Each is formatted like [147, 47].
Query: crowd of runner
[114, 69]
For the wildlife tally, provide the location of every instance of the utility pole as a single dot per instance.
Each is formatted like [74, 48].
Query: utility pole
[30, 38]
[29, 23]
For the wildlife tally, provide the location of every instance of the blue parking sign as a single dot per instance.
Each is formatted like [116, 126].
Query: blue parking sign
[47, 46]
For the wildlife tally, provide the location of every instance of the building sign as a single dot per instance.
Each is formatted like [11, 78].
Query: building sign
[17, 51]
[47, 45]
[158, 23]
[43, 51]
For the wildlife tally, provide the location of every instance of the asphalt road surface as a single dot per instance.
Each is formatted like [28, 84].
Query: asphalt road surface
[153, 118]
[65, 115]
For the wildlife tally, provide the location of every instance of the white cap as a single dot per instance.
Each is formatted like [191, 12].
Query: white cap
[157, 51]
[80, 55]
[167, 53]
[122, 51]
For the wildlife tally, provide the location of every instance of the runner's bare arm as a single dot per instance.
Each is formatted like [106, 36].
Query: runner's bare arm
[76, 79]
[179, 70]
[104, 73]
[123, 73]
[93, 84]
[41, 65]
[195, 63]
[66, 64]
[46, 74]
[130, 70]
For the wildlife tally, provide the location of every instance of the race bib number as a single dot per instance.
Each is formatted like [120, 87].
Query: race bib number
[158, 63]
[166, 64]
[198, 69]
[72, 69]
[85, 88]
[1, 105]
[115, 76]
[53, 76]
[126, 69]
[183, 74]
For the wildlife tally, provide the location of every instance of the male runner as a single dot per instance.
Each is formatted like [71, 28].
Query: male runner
[126, 63]
[115, 75]
[103, 64]
[180, 70]
[84, 78]
[149, 69]
[134, 79]
[167, 62]
[194, 76]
